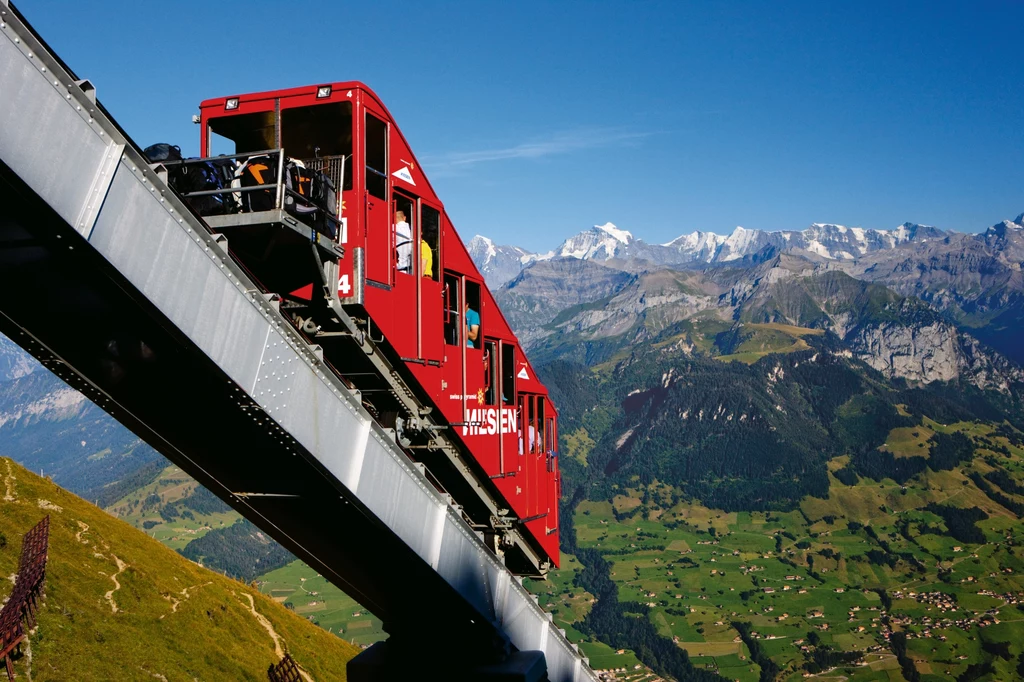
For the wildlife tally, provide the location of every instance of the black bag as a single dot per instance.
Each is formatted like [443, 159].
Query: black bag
[258, 170]
[324, 194]
[162, 151]
[299, 181]
[206, 175]
[312, 199]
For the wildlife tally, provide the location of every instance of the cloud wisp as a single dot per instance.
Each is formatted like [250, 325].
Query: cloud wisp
[556, 144]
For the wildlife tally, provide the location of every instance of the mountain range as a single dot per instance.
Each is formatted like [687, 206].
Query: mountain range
[500, 263]
[604, 283]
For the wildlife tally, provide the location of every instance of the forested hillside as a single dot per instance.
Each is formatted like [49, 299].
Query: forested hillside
[788, 517]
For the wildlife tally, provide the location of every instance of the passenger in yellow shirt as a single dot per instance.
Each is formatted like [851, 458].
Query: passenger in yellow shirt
[426, 259]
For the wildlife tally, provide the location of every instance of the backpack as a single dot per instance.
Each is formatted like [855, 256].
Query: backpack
[258, 170]
[161, 151]
[299, 180]
[310, 195]
[317, 199]
[205, 175]
[325, 195]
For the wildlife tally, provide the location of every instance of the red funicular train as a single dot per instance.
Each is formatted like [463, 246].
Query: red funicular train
[405, 277]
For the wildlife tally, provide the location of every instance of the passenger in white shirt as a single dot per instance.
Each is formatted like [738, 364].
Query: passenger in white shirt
[534, 439]
[403, 243]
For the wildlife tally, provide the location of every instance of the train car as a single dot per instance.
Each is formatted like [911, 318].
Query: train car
[396, 265]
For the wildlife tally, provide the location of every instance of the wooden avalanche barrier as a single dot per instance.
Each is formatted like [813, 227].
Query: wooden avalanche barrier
[22, 605]
[285, 671]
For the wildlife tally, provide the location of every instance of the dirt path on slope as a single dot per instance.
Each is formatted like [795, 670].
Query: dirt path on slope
[175, 603]
[269, 627]
[11, 494]
[109, 596]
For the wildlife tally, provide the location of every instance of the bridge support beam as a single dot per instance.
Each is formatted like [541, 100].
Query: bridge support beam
[115, 286]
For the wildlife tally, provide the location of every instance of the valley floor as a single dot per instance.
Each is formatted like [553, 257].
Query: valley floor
[855, 572]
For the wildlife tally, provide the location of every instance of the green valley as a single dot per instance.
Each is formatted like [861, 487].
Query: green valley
[302, 590]
[173, 509]
[873, 581]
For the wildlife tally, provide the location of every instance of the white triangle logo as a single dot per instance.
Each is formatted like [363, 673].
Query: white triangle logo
[522, 374]
[404, 174]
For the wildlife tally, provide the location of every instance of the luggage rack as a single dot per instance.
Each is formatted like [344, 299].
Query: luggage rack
[278, 246]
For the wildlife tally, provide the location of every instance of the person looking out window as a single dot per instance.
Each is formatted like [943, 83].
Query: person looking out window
[403, 243]
[472, 327]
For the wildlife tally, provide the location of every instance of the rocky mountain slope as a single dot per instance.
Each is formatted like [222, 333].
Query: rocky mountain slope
[119, 605]
[594, 312]
[51, 428]
[974, 280]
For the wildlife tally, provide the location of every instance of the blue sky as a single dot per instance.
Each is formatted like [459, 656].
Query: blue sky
[537, 120]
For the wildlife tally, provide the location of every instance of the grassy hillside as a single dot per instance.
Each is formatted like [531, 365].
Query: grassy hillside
[175, 510]
[750, 342]
[120, 605]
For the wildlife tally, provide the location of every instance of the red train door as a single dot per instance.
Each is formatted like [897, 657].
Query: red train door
[504, 378]
[431, 314]
[552, 477]
[378, 220]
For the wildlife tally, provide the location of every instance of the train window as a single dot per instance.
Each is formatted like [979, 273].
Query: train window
[549, 443]
[220, 145]
[250, 132]
[321, 135]
[538, 441]
[525, 415]
[430, 234]
[508, 373]
[452, 318]
[376, 135]
[528, 424]
[473, 326]
[490, 372]
[404, 210]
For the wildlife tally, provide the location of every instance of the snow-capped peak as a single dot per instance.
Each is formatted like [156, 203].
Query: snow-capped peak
[600, 243]
[740, 243]
[621, 235]
[481, 243]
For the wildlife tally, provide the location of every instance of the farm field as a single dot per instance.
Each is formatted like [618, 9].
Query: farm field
[302, 590]
[142, 508]
[844, 574]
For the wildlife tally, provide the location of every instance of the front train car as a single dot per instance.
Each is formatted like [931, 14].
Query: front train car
[326, 206]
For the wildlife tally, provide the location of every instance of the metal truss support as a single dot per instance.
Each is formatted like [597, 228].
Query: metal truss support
[121, 290]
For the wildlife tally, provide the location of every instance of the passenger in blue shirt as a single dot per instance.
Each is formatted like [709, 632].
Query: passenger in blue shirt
[472, 326]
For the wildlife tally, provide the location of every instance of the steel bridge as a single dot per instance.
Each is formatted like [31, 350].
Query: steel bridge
[117, 287]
